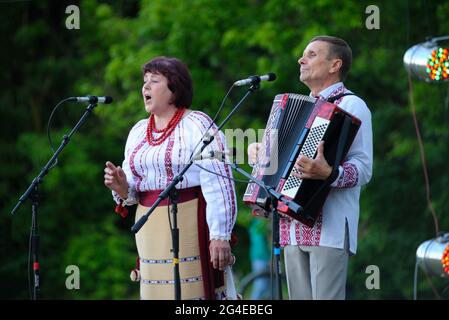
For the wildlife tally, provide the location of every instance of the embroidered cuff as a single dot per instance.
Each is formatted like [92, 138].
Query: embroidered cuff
[223, 238]
[348, 177]
[130, 200]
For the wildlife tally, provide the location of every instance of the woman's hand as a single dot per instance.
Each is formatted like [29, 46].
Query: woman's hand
[220, 254]
[115, 179]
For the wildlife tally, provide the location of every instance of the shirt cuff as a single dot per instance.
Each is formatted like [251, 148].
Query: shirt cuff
[222, 238]
[129, 201]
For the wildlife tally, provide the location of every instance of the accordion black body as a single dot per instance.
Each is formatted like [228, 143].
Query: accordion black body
[296, 125]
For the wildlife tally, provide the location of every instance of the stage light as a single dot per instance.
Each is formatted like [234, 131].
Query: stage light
[428, 61]
[433, 256]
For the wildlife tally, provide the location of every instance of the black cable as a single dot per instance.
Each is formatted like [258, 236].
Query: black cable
[426, 16]
[49, 126]
[30, 290]
[444, 291]
[446, 108]
[223, 176]
[415, 281]
[213, 120]
[422, 155]
[217, 115]
[408, 23]
[232, 179]
[169, 217]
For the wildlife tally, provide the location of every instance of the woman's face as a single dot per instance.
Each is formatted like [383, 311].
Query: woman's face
[156, 94]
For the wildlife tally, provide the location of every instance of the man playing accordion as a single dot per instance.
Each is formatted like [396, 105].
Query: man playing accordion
[316, 257]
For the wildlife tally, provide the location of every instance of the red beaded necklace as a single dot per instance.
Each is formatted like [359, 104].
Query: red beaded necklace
[164, 132]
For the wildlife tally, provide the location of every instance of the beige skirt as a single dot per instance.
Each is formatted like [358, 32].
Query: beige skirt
[154, 244]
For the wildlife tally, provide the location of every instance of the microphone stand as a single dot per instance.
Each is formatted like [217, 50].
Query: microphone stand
[275, 197]
[277, 286]
[33, 195]
[175, 241]
[166, 192]
[34, 239]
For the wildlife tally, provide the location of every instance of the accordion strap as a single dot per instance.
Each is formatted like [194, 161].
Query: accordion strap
[338, 96]
[341, 143]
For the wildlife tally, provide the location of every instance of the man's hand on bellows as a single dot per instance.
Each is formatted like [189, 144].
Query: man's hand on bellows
[317, 169]
[253, 149]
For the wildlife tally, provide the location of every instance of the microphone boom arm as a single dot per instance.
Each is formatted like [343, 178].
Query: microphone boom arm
[48, 166]
[296, 208]
[32, 194]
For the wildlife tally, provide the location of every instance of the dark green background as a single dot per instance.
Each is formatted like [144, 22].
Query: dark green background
[221, 41]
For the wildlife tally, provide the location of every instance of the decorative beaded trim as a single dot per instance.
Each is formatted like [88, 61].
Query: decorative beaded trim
[168, 261]
[185, 280]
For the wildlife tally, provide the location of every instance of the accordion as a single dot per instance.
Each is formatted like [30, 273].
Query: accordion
[295, 127]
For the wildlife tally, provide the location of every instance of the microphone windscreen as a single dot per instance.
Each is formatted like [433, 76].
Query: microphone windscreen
[107, 99]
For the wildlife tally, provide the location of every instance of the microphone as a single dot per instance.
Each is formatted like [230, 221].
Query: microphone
[92, 99]
[255, 79]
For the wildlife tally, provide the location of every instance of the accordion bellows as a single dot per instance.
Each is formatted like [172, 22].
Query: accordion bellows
[295, 127]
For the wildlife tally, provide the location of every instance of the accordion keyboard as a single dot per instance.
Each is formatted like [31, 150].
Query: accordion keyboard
[309, 149]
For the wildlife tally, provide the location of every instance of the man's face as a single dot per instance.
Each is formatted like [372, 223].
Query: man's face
[315, 67]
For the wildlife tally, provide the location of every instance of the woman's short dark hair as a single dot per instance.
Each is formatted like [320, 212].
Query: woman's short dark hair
[338, 48]
[178, 78]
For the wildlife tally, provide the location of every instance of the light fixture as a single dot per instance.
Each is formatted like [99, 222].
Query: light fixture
[428, 61]
[433, 256]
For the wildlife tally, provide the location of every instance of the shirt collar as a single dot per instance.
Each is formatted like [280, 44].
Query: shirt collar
[324, 94]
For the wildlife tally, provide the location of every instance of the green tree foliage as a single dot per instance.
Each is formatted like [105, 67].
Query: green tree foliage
[221, 41]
